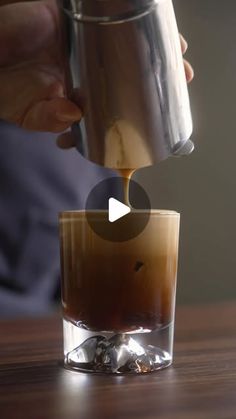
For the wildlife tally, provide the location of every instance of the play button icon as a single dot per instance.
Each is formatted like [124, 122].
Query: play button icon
[109, 217]
[117, 210]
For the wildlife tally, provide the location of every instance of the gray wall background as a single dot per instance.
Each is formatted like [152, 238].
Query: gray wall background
[203, 187]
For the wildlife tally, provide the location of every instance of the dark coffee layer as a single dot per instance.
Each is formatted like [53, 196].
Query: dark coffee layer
[111, 286]
[119, 293]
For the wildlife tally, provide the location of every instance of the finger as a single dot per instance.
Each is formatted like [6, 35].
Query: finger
[183, 43]
[65, 141]
[189, 72]
[54, 115]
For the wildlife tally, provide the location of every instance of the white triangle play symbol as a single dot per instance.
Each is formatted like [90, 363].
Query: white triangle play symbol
[117, 210]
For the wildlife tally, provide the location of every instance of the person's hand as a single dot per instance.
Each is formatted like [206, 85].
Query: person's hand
[31, 74]
[188, 68]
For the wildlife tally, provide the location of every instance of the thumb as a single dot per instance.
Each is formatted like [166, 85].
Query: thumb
[55, 115]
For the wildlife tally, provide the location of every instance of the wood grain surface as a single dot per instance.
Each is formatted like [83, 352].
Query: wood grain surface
[200, 385]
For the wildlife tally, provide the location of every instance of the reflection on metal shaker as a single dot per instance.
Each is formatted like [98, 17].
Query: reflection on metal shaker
[123, 58]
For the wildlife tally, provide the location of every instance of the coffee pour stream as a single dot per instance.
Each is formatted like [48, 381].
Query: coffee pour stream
[123, 57]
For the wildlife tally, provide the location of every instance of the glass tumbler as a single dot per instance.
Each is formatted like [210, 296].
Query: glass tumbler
[118, 298]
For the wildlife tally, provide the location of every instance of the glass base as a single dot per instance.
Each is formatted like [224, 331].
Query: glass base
[117, 353]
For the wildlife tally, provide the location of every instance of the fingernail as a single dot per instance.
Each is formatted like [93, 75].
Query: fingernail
[67, 117]
[184, 44]
[189, 73]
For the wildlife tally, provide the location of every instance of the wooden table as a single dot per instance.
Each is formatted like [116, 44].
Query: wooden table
[200, 384]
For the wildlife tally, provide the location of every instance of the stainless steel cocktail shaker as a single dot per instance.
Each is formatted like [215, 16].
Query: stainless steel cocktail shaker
[123, 58]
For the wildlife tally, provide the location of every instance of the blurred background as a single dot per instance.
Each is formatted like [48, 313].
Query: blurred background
[202, 186]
